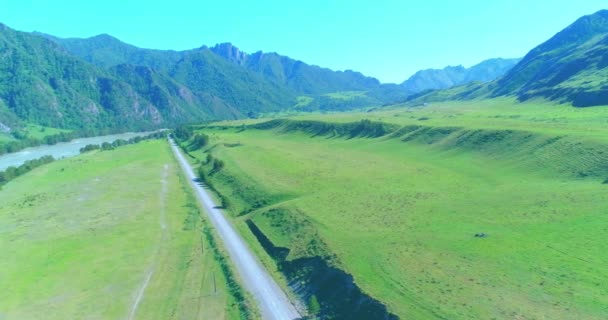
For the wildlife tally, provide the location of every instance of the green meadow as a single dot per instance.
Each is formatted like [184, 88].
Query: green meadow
[39, 132]
[397, 203]
[108, 235]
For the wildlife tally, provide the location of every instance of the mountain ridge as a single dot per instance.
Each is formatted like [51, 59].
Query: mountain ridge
[570, 67]
[450, 76]
[136, 88]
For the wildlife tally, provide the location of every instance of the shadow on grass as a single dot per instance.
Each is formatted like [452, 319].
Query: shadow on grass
[336, 291]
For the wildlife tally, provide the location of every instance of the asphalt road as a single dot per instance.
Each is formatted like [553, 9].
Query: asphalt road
[272, 301]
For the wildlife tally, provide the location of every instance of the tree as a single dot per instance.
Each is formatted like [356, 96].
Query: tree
[217, 165]
[183, 133]
[106, 146]
[89, 147]
[313, 305]
[200, 140]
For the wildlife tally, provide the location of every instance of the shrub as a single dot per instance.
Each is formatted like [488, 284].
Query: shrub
[217, 165]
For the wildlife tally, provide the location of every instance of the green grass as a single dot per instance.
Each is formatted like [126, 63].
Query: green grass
[501, 113]
[400, 212]
[346, 95]
[303, 101]
[39, 132]
[5, 137]
[78, 236]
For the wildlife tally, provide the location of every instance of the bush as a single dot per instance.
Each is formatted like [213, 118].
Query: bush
[106, 146]
[217, 165]
[89, 147]
[314, 307]
[200, 140]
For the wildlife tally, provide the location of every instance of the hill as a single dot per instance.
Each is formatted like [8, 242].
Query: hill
[433, 79]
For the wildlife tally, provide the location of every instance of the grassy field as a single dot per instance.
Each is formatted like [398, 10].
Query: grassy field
[5, 137]
[82, 237]
[500, 113]
[399, 212]
[39, 132]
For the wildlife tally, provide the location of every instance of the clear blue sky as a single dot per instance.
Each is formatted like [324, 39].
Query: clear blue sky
[386, 39]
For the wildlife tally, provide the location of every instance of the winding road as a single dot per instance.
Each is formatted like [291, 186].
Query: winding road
[272, 301]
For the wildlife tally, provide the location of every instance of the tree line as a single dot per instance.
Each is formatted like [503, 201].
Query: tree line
[24, 141]
[106, 146]
[13, 172]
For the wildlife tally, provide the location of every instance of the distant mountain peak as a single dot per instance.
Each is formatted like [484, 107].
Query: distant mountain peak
[230, 52]
[105, 39]
[450, 76]
[103, 36]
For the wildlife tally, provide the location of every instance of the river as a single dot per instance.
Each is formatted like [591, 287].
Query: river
[60, 150]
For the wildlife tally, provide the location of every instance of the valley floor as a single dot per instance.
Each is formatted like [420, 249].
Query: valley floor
[400, 212]
[108, 235]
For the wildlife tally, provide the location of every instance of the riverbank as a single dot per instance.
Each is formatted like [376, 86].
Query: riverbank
[61, 150]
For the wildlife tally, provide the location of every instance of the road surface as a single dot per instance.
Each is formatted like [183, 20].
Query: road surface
[272, 301]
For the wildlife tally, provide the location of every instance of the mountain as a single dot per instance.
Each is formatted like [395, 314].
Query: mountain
[178, 101]
[206, 73]
[296, 75]
[106, 51]
[571, 67]
[317, 88]
[103, 83]
[433, 79]
[247, 84]
[230, 91]
[42, 83]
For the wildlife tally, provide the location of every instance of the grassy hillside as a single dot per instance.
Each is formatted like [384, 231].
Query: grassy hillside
[397, 203]
[81, 237]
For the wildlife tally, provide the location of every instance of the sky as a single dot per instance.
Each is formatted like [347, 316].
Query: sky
[386, 39]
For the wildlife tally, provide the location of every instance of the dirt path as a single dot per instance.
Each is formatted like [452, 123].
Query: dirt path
[271, 299]
[163, 227]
